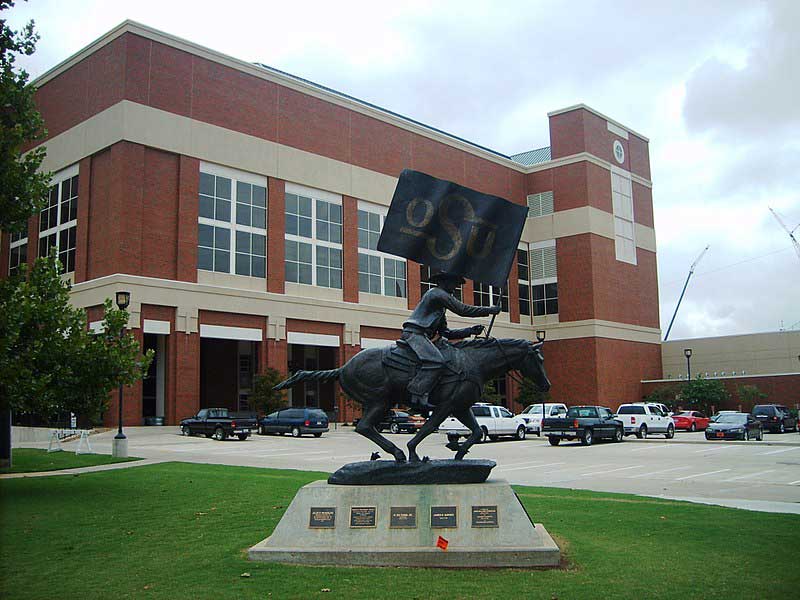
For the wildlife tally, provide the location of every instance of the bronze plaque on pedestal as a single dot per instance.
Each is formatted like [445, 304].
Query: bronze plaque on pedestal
[484, 516]
[363, 516]
[444, 517]
[403, 517]
[322, 517]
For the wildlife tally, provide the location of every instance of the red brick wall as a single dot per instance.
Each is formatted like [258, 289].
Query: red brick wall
[103, 221]
[571, 366]
[619, 364]
[276, 249]
[350, 249]
[160, 214]
[188, 209]
[780, 389]
[318, 327]
[82, 227]
[187, 384]
[380, 333]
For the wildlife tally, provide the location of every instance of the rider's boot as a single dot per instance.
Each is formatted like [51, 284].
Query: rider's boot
[420, 387]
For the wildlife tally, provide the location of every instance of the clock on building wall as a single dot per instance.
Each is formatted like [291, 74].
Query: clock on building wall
[619, 152]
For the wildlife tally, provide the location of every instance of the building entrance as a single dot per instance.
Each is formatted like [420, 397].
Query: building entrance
[154, 383]
[226, 373]
[313, 393]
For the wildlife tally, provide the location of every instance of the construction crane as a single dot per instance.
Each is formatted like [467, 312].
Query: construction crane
[688, 277]
[787, 230]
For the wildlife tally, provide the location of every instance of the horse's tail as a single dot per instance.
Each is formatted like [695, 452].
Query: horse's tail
[306, 375]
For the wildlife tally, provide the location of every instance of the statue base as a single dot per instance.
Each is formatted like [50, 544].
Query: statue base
[455, 525]
[390, 472]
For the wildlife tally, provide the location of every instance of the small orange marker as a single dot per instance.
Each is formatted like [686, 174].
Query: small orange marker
[442, 543]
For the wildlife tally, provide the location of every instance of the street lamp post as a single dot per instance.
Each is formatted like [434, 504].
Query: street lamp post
[540, 335]
[119, 446]
[687, 352]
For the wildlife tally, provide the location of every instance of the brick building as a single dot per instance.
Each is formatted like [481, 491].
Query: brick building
[240, 207]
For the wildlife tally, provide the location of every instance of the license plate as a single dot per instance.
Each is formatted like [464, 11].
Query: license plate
[319, 422]
[720, 434]
[241, 431]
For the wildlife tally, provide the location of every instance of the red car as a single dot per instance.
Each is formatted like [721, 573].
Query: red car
[691, 420]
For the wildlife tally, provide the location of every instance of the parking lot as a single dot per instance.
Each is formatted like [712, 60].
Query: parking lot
[759, 476]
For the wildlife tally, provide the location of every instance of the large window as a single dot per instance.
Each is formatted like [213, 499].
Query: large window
[489, 295]
[544, 278]
[425, 282]
[18, 252]
[232, 223]
[622, 200]
[58, 221]
[313, 237]
[540, 204]
[524, 282]
[378, 273]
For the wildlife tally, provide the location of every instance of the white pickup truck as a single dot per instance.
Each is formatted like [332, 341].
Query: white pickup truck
[641, 419]
[494, 421]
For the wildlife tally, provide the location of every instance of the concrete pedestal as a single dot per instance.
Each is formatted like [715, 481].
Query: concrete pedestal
[119, 448]
[482, 525]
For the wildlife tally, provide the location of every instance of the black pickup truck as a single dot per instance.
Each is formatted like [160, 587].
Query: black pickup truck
[220, 423]
[584, 423]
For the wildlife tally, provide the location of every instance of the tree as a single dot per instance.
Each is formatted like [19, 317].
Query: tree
[663, 395]
[23, 190]
[703, 394]
[750, 395]
[49, 361]
[264, 397]
[490, 394]
[529, 393]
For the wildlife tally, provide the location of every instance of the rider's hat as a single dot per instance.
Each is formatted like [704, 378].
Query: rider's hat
[444, 275]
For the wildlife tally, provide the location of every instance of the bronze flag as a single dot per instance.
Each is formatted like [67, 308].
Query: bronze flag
[453, 228]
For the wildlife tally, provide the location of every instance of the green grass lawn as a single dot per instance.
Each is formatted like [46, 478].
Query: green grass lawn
[29, 460]
[178, 530]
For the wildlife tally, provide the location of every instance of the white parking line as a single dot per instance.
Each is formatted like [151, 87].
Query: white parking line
[778, 451]
[740, 477]
[701, 474]
[795, 482]
[656, 472]
[505, 470]
[654, 447]
[612, 470]
[715, 449]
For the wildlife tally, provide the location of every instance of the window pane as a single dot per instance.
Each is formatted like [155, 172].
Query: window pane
[336, 233]
[322, 231]
[222, 261]
[304, 252]
[362, 239]
[304, 206]
[336, 258]
[205, 235]
[242, 264]
[291, 250]
[205, 259]
[552, 307]
[223, 211]
[259, 196]
[322, 277]
[206, 184]
[243, 192]
[304, 227]
[206, 207]
[374, 222]
[259, 267]
[223, 187]
[363, 219]
[322, 256]
[291, 271]
[305, 274]
[242, 241]
[242, 214]
[259, 244]
[291, 203]
[222, 238]
[291, 225]
[322, 210]
[259, 218]
[335, 213]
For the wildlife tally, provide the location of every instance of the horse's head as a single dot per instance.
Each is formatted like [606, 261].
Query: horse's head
[532, 366]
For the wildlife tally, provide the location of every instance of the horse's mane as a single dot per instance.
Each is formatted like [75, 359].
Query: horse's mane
[486, 342]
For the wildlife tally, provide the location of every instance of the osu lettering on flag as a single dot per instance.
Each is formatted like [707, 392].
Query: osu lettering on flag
[442, 543]
[453, 228]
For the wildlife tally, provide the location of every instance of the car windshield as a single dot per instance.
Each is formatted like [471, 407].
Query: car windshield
[683, 414]
[533, 409]
[732, 419]
[577, 412]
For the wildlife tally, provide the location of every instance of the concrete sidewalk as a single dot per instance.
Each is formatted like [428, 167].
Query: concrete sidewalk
[79, 470]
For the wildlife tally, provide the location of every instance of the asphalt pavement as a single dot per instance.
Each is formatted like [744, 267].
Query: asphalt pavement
[762, 476]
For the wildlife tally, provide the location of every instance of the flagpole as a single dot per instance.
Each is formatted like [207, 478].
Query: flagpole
[494, 316]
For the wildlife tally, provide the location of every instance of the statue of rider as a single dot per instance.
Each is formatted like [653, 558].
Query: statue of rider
[427, 323]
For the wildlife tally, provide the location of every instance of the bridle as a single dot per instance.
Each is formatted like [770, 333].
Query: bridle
[507, 365]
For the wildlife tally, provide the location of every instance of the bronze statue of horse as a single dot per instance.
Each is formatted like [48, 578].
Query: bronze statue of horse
[377, 378]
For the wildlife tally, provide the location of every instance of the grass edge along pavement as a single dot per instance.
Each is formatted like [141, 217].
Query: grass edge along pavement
[35, 460]
[181, 530]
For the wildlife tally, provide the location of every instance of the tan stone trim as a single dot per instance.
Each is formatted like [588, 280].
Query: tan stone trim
[585, 156]
[560, 111]
[190, 298]
[748, 376]
[577, 221]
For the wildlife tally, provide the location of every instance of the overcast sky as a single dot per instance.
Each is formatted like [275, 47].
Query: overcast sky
[715, 85]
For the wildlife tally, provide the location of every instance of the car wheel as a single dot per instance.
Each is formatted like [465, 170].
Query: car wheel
[670, 432]
[186, 431]
[693, 428]
[484, 435]
[317, 435]
[452, 437]
[618, 434]
[295, 432]
[242, 436]
[554, 441]
[394, 428]
[642, 433]
[219, 434]
[520, 433]
[587, 438]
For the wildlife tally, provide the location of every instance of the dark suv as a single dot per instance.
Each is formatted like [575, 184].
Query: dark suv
[296, 421]
[775, 418]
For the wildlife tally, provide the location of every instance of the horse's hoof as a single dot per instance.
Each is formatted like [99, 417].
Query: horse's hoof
[374, 456]
[400, 458]
[426, 459]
